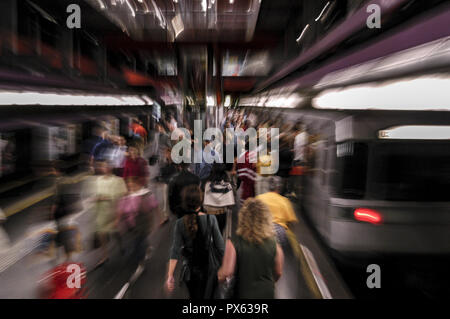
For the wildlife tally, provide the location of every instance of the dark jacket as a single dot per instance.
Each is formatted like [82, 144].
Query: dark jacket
[176, 185]
[286, 158]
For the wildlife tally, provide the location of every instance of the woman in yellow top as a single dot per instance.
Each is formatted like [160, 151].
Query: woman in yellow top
[281, 208]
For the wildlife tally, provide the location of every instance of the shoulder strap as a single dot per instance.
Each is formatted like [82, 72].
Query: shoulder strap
[209, 236]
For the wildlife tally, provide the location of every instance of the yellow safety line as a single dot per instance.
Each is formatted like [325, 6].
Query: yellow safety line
[21, 182]
[34, 199]
[306, 271]
[15, 208]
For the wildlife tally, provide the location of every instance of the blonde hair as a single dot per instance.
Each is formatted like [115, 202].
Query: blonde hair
[255, 221]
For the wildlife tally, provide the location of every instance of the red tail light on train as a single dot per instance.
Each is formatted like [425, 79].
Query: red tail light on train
[368, 215]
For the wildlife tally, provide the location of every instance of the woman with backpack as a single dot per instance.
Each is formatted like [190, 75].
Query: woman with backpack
[192, 235]
[219, 195]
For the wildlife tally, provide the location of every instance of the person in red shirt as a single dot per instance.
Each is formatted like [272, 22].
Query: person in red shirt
[139, 130]
[136, 166]
[246, 171]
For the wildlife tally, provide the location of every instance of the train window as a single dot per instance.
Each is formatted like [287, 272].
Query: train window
[350, 177]
[15, 154]
[415, 171]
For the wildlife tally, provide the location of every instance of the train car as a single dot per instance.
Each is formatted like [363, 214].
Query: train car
[378, 181]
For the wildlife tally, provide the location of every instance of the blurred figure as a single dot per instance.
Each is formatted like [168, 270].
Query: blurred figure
[163, 139]
[168, 169]
[189, 242]
[173, 122]
[107, 190]
[219, 195]
[281, 208]
[101, 147]
[139, 132]
[135, 165]
[203, 169]
[262, 180]
[137, 217]
[286, 156]
[253, 255]
[300, 151]
[4, 239]
[118, 154]
[180, 181]
[246, 171]
[66, 202]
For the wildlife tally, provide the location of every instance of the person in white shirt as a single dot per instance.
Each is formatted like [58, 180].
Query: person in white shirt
[300, 144]
[117, 155]
[300, 158]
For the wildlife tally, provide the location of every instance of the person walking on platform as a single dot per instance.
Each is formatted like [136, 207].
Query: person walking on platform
[300, 159]
[107, 190]
[265, 161]
[137, 217]
[203, 169]
[181, 180]
[190, 241]
[139, 132]
[253, 255]
[66, 202]
[136, 166]
[286, 157]
[219, 196]
[246, 171]
[281, 208]
[118, 154]
[100, 149]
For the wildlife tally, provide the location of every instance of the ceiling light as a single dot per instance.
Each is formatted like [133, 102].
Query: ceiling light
[227, 102]
[322, 12]
[303, 32]
[38, 98]
[210, 101]
[424, 93]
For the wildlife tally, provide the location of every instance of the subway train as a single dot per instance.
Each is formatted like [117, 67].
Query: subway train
[378, 181]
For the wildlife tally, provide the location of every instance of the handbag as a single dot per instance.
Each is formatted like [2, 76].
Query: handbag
[226, 288]
[218, 194]
[185, 273]
[214, 262]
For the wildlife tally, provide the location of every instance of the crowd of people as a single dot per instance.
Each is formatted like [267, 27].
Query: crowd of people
[216, 256]
[118, 193]
[247, 262]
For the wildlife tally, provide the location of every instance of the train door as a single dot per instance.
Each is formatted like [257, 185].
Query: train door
[316, 196]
